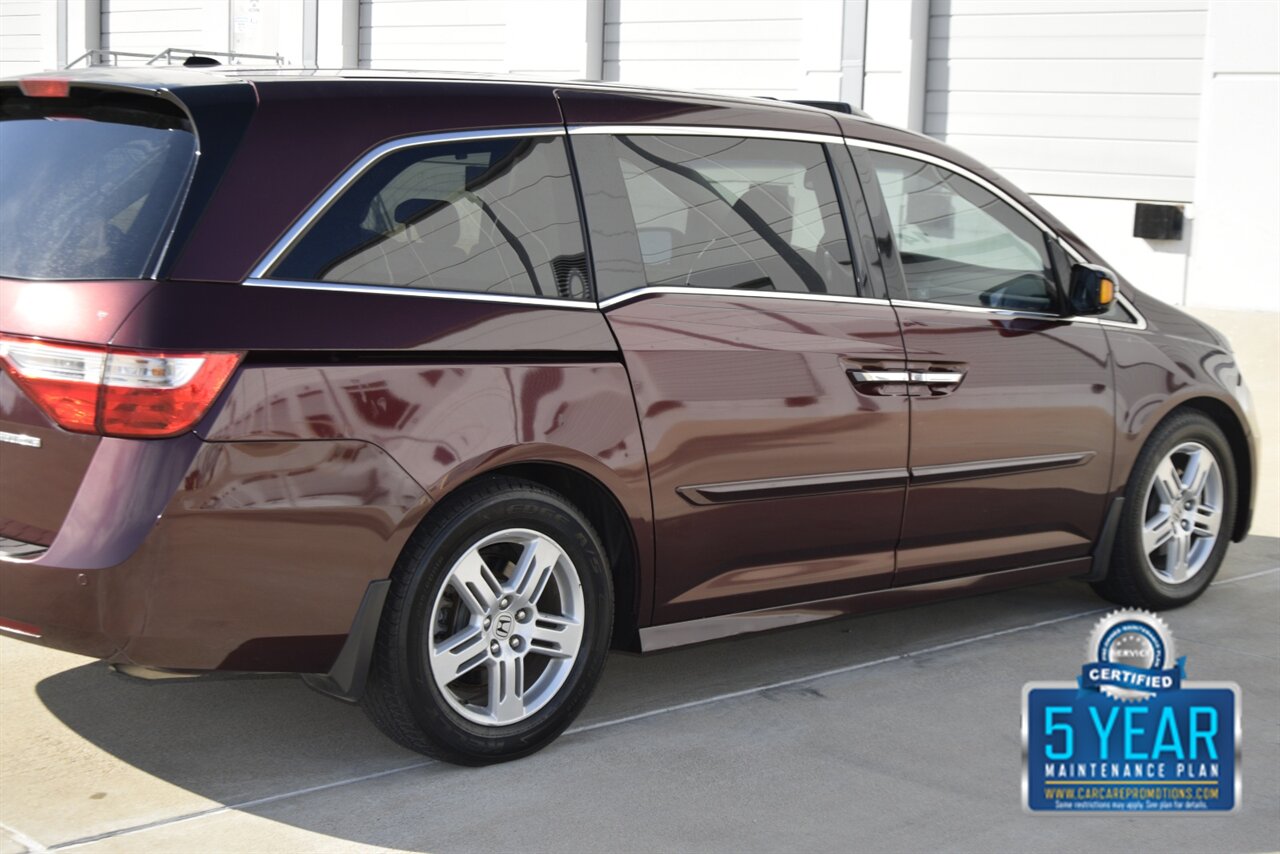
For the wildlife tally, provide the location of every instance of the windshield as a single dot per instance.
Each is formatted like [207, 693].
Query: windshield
[87, 189]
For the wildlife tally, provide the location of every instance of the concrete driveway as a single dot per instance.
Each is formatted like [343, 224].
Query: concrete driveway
[898, 731]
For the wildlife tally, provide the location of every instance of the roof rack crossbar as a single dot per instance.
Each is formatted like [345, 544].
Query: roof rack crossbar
[168, 56]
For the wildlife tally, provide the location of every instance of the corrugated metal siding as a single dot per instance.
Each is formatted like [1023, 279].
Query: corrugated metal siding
[20, 23]
[456, 35]
[150, 26]
[751, 47]
[1071, 98]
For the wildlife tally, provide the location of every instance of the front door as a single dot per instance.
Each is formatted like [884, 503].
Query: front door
[778, 461]
[1012, 410]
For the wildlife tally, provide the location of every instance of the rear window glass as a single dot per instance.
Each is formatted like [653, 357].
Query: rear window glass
[88, 188]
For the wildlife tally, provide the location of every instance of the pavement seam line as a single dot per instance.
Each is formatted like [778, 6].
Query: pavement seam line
[731, 695]
[129, 831]
[1257, 574]
[239, 805]
[22, 839]
[837, 671]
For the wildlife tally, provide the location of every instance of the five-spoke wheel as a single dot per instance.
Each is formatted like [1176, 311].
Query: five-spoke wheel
[506, 627]
[1177, 517]
[496, 627]
[1184, 512]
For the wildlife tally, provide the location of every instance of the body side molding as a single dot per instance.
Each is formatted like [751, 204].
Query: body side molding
[782, 487]
[821, 484]
[988, 468]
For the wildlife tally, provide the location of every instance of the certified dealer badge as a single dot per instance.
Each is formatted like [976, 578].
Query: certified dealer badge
[1127, 656]
[1130, 734]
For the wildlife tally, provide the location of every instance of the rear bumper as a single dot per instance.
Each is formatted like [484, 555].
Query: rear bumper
[190, 555]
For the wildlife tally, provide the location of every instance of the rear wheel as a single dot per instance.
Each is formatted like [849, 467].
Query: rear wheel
[1178, 515]
[497, 626]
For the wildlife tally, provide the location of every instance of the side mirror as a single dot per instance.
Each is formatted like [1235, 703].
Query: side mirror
[1093, 289]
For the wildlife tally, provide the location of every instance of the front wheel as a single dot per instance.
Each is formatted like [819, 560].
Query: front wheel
[1179, 511]
[496, 628]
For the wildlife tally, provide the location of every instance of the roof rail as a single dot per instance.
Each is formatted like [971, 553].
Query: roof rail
[168, 56]
[834, 106]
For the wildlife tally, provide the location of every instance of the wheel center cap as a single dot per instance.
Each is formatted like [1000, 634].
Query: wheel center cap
[503, 626]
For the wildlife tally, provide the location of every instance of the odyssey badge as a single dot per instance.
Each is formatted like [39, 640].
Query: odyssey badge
[1130, 734]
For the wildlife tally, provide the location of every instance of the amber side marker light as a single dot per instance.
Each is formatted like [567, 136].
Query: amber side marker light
[45, 87]
[1106, 292]
[114, 392]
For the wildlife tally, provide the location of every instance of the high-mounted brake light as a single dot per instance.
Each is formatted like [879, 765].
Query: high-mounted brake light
[115, 392]
[45, 87]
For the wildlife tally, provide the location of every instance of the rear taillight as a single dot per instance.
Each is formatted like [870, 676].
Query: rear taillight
[117, 392]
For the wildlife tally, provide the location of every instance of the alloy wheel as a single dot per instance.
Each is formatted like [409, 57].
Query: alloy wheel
[1183, 517]
[506, 627]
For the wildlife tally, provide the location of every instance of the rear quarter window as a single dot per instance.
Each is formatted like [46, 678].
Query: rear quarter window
[494, 216]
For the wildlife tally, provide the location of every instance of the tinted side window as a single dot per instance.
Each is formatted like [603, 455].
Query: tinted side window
[750, 214]
[492, 216]
[961, 245]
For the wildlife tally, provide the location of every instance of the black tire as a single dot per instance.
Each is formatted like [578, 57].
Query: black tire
[403, 698]
[1131, 580]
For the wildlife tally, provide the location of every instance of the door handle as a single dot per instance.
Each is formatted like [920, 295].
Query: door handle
[936, 377]
[879, 376]
[934, 383]
[912, 377]
[878, 382]
[888, 381]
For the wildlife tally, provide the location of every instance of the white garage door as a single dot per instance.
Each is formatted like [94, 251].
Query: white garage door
[743, 47]
[150, 26]
[20, 23]
[458, 35]
[1073, 98]
[541, 38]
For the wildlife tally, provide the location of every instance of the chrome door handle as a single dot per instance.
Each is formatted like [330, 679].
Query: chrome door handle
[882, 382]
[879, 376]
[936, 377]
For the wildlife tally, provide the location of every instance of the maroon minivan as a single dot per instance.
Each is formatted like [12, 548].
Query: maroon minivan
[435, 389]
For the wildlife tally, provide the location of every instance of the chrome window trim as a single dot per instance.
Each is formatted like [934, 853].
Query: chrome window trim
[356, 170]
[1037, 315]
[978, 309]
[258, 277]
[552, 302]
[717, 130]
[1140, 322]
[387, 290]
[964, 173]
[650, 290]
